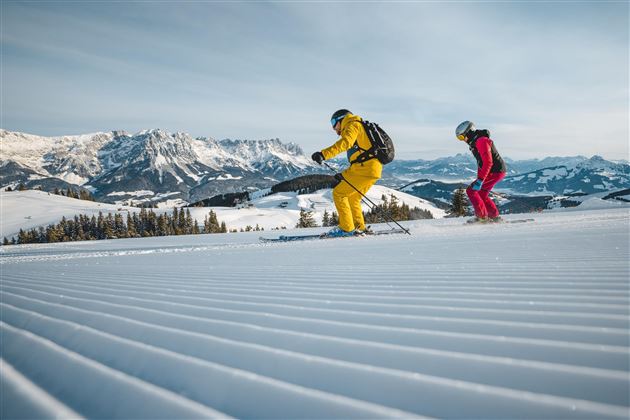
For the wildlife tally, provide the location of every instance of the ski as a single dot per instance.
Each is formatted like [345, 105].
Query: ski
[291, 238]
[503, 222]
[284, 238]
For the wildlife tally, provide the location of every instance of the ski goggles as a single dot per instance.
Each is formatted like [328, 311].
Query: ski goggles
[334, 121]
[461, 137]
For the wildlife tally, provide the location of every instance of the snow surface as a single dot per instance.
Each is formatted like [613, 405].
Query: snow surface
[141, 193]
[498, 321]
[552, 174]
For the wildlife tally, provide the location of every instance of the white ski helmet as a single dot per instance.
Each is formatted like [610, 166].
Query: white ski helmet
[463, 129]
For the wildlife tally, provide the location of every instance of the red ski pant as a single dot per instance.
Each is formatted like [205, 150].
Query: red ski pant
[483, 205]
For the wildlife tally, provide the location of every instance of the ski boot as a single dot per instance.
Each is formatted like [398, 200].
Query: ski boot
[337, 232]
[364, 232]
[477, 220]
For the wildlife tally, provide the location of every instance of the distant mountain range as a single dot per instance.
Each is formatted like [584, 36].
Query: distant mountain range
[463, 167]
[151, 165]
[554, 176]
[533, 188]
[155, 165]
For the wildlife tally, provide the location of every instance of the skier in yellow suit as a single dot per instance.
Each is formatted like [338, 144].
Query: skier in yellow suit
[362, 175]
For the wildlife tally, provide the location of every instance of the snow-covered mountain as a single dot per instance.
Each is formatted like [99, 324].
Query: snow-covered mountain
[543, 188]
[529, 165]
[592, 175]
[452, 168]
[437, 180]
[463, 167]
[117, 165]
[157, 166]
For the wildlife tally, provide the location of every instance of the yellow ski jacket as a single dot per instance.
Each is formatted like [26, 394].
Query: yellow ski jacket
[352, 135]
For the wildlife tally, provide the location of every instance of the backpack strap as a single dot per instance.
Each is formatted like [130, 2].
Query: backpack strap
[366, 154]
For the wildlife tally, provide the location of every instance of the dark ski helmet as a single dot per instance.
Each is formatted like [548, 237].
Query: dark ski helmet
[338, 116]
[464, 129]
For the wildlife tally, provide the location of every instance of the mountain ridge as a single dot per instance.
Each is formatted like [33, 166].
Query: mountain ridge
[156, 160]
[156, 165]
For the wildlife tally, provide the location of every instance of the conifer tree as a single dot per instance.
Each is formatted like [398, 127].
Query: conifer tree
[459, 204]
[108, 227]
[181, 222]
[85, 195]
[211, 223]
[206, 224]
[393, 209]
[120, 230]
[53, 234]
[326, 219]
[131, 227]
[173, 222]
[334, 219]
[80, 234]
[306, 219]
[100, 226]
[163, 225]
[39, 235]
[188, 222]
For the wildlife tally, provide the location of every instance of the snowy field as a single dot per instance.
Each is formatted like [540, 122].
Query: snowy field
[503, 321]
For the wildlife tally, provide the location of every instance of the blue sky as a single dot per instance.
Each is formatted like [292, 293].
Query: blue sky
[547, 78]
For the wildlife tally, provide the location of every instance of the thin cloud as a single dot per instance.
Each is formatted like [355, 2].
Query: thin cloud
[530, 72]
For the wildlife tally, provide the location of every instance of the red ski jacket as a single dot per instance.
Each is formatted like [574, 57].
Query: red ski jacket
[488, 158]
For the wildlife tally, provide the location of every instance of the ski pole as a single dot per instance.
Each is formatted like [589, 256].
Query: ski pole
[370, 201]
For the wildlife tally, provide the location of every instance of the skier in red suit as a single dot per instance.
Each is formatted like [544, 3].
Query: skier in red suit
[491, 169]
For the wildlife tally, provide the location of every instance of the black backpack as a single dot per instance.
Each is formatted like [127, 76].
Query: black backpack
[382, 145]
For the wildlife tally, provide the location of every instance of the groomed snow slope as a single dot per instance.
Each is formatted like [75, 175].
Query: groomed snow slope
[502, 321]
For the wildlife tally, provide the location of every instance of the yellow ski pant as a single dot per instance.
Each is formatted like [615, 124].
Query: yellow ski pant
[348, 200]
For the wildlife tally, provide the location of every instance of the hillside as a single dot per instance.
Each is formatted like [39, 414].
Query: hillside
[29, 209]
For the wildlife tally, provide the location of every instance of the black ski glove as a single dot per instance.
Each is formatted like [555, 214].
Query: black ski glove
[318, 157]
